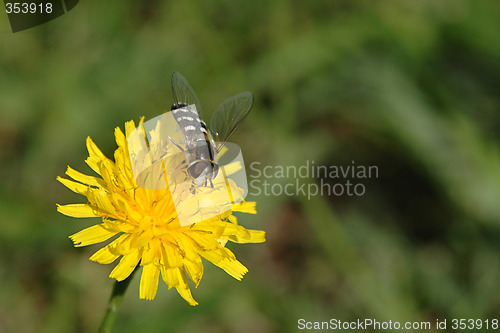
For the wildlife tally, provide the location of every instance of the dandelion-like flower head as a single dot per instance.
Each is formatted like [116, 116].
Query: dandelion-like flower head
[145, 227]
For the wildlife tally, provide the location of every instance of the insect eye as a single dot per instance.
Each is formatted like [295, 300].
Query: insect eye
[197, 169]
[202, 168]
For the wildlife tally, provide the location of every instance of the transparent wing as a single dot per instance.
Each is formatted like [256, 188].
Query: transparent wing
[183, 93]
[229, 115]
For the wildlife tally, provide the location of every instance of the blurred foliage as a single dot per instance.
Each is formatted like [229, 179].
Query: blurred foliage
[409, 86]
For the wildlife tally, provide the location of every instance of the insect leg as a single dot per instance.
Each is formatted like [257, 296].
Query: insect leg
[176, 144]
[176, 170]
[193, 188]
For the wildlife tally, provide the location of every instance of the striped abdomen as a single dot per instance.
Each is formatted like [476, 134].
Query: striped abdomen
[200, 148]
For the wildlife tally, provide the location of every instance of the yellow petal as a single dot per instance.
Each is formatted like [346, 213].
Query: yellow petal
[102, 199]
[124, 244]
[104, 256]
[125, 176]
[126, 266]
[95, 156]
[226, 260]
[107, 171]
[232, 168]
[92, 235]
[77, 210]
[245, 207]
[129, 127]
[122, 160]
[171, 276]
[74, 186]
[129, 207]
[151, 253]
[120, 139]
[185, 292]
[175, 277]
[192, 261]
[82, 178]
[253, 236]
[194, 269]
[205, 241]
[149, 282]
[233, 267]
[170, 256]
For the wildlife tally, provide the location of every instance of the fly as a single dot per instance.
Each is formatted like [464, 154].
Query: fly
[202, 144]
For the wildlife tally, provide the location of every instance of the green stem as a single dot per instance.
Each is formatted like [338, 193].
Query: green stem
[114, 303]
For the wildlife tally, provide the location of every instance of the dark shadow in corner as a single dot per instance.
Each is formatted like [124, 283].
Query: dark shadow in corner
[36, 12]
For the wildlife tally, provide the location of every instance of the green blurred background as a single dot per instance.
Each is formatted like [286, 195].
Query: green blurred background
[409, 86]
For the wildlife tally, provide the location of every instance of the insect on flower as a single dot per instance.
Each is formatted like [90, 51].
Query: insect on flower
[149, 215]
[201, 150]
[144, 226]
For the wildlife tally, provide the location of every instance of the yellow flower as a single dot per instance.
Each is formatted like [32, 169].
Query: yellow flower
[147, 227]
